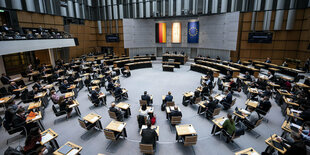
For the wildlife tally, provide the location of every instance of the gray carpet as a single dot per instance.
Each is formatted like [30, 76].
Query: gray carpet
[157, 83]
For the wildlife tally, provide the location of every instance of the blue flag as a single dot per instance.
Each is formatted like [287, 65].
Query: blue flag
[193, 32]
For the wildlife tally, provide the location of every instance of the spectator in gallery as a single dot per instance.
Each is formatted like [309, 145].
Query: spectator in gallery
[218, 58]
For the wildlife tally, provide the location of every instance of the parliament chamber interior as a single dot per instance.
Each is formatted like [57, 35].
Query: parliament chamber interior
[182, 77]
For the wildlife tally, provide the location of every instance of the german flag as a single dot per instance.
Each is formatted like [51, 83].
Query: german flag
[161, 33]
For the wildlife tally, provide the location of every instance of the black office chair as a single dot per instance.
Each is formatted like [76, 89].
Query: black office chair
[24, 97]
[57, 111]
[3, 92]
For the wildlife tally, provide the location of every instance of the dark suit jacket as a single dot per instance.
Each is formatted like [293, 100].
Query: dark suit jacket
[149, 136]
[297, 147]
[212, 105]
[146, 97]
[63, 88]
[169, 98]
[11, 88]
[175, 113]
[118, 91]
[305, 115]
[117, 112]
[248, 78]
[265, 105]
[37, 85]
[228, 98]
[5, 79]
[18, 121]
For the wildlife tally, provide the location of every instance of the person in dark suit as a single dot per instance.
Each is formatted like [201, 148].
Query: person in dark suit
[64, 87]
[19, 120]
[118, 91]
[247, 77]
[264, 104]
[111, 86]
[175, 112]
[5, 79]
[146, 97]
[205, 90]
[268, 60]
[118, 113]
[168, 97]
[226, 102]
[266, 92]
[149, 136]
[63, 105]
[211, 105]
[36, 63]
[38, 85]
[70, 79]
[227, 77]
[218, 58]
[296, 147]
[12, 87]
[95, 97]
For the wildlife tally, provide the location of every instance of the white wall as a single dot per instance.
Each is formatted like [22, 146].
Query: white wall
[215, 32]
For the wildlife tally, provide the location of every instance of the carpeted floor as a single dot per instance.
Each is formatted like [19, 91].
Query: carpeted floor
[157, 83]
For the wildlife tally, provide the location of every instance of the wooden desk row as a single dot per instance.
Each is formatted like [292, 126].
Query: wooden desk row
[178, 57]
[204, 69]
[206, 59]
[111, 61]
[283, 70]
[121, 63]
[221, 67]
[138, 65]
[243, 68]
[153, 57]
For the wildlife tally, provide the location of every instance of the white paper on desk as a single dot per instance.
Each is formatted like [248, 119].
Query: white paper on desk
[254, 153]
[46, 138]
[222, 122]
[191, 129]
[295, 125]
[94, 119]
[73, 152]
[295, 111]
[245, 111]
[1, 101]
[120, 127]
[37, 117]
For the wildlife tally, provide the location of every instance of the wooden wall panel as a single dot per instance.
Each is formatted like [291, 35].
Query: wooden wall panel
[43, 55]
[285, 44]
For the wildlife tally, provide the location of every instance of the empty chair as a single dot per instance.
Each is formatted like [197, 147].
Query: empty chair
[57, 111]
[111, 135]
[210, 114]
[175, 120]
[142, 102]
[112, 115]
[86, 125]
[190, 140]
[170, 103]
[147, 148]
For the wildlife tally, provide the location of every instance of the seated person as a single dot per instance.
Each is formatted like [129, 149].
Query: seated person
[261, 84]
[232, 85]
[64, 105]
[64, 87]
[226, 102]
[111, 86]
[296, 90]
[12, 107]
[143, 111]
[118, 113]
[149, 135]
[296, 147]
[19, 120]
[227, 77]
[54, 97]
[118, 91]
[264, 105]
[38, 85]
[33, 140]
[305, 134]
[268, 60]
[253, 117]
[33, 93]
[95, 96]
[175, 112]
[12, 87]
[211, 105]
[5, 79]
[305, 115]
[196, 95]
[266, 92]
[270, 76]
[168, 97]
[70, 79]
[205, 90]
[307, 81]
[247, 77]
[146, 97]
[285, 64]
[229, 125]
